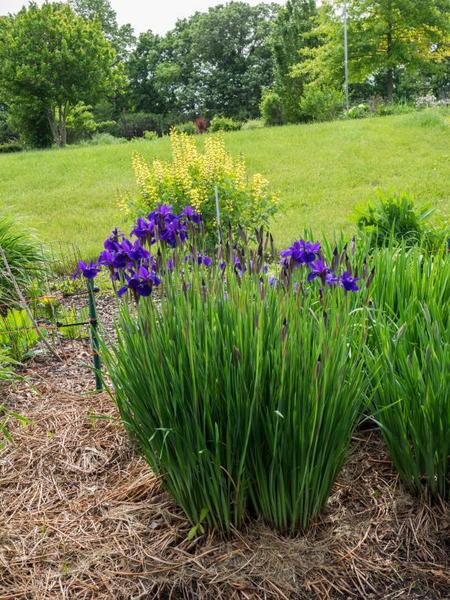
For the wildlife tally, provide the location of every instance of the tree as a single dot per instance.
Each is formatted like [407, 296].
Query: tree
[291, 34]
[387, 39]
[52, 59]
[388, 35]
[120, 36]
[142, 71]
[216, 62]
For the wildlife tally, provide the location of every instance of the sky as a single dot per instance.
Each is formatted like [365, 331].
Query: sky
[158, 15]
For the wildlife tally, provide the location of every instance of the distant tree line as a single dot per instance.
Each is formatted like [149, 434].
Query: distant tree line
[69, 69]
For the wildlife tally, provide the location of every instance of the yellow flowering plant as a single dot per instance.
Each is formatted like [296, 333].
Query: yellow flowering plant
[190, 179]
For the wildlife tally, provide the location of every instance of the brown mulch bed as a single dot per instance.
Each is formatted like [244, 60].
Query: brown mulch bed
[82, 516]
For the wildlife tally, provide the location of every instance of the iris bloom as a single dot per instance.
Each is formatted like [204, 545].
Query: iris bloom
[348, 283]
[88, 270]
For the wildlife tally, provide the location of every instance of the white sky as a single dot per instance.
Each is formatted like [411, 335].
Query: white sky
[157, 15]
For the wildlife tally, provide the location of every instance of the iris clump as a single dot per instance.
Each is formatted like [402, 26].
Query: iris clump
[241, 395]
[241, 387]
[410, 364]
[243, 384]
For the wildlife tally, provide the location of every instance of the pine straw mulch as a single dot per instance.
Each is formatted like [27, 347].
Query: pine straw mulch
[82, 516]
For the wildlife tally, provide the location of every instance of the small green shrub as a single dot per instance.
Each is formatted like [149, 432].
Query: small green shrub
[10, 147]
[80, 123]
[150, 135]
[189, 127]
[394, 218]
[224, 124]
[253, 124]
[25, 259]
[271, 108]
[17, 334]
[393, 108]
[359, 112]
[320, 104]
[102, 139]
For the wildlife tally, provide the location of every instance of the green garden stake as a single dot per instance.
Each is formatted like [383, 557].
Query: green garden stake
[94, 335]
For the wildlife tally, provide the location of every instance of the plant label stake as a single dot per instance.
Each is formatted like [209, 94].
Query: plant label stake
[94, 335]
[216, 194]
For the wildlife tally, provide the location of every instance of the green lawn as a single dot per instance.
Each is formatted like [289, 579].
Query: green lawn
[322, 171]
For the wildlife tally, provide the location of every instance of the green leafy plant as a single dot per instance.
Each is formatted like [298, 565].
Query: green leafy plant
[271, 108]
[70, 316]
[150, 135]
[252, 124]
[394, 218]
[188, 127]
[17, 334]
[11, 147]
[320, 103]
[413, 396]
[219, 123]
[25, 259]
[359, 111]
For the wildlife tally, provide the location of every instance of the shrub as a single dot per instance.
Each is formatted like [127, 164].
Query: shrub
[10, 147]
[253, 124]
[188, 127]
[17, 334]
[131, 125]
[25, 259]
[191, 178]
[393, 108]
[224, 124]
[103, 139]
[320, 104]
[271, 108]
[359, 112]
[150, 135]
[80, 123]
[394, 218]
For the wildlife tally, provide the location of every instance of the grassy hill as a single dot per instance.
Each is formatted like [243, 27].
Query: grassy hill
[322, 171]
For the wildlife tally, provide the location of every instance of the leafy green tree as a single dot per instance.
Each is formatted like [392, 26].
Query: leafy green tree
[291, 34]
[144, 74]
[387, 40]
[216, 62]
[51, 59]
[121, 36]
[386, 36]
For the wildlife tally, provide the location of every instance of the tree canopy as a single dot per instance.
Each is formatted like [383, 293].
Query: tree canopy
[53, 59]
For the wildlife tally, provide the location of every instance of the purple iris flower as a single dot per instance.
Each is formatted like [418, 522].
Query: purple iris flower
[207, 261]
[348, 283]
[106, 258]
[112, 242]
[191, 214]
[323, 271]
[301, 252]
[170, 265]
[272, 281]
[144, 229]
[134, 251]
[88, 270]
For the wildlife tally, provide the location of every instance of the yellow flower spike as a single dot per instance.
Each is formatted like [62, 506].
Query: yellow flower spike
[191, 176]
